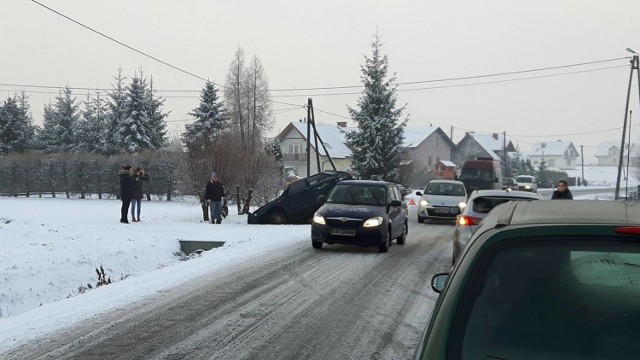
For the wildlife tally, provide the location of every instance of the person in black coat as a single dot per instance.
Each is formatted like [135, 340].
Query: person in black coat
[214, 192]
[562, 192]
[126, 192]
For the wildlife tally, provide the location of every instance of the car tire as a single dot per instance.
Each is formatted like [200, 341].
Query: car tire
[403, 237]
[316, 244]
[278, 218]
[420, 219]
[387, 242]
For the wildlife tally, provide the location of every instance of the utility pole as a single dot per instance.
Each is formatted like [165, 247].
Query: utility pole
[626, 177]
[451, 136]
[504, 148]
[634, 66]
[582, 157]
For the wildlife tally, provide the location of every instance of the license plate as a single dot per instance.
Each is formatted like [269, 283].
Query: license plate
[343, 232]
[442, 210]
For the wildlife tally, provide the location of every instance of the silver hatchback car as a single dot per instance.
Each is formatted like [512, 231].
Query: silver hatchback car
[478, 207]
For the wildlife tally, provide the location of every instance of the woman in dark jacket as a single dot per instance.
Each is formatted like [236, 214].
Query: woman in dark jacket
[126, 192]
[138, 177]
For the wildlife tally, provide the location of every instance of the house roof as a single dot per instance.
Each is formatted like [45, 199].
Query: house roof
[447, 163]
[603, 149]
[332, 135]
[551, 148]
[335, 136]
[490, 144]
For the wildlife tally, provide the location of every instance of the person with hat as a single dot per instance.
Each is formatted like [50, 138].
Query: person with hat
[139, 175]
[126, 192]
[214, 192]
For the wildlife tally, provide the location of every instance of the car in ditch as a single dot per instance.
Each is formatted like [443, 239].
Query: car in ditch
[298, 202]
[441, 200]
[361, 212]
[479, 204]
[542, 280]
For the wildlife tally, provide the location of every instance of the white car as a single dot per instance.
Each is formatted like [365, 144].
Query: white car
[479, 204]
[442, 199]
[527, 183]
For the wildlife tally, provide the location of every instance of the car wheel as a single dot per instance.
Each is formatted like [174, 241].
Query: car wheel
[387, 242]
[401, 240]
[316, 244]
[420, 219]
[278, 218]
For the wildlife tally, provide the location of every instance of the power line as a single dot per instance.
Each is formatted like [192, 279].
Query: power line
[121, 43]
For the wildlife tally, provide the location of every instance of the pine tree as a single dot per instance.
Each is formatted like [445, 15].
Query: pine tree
[211, 119]
[136, 129]
[16, 129]
[59, 123]
[115, 115]
[158, 124]
[91, 133]
[376, 146]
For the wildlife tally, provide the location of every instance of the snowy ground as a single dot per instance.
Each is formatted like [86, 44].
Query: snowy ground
[50, 249]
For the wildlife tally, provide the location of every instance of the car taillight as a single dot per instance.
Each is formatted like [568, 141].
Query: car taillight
[464, 220]
[628, 230]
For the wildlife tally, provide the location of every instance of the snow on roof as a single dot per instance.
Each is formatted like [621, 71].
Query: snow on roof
[448, 163]
[413, 137]
[332, 135]
[550, 148]
[604, 147]
[489, 143]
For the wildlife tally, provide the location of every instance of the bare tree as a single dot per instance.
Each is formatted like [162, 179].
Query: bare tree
[234, 94]
[259, 110]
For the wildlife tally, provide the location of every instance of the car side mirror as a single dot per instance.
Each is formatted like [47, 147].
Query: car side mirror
[396, 203]
[496, 180]
[321, 198]
[438, 282]
[418, 193]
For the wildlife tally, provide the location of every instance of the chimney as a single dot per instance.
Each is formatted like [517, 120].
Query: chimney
[342, 124]
[495, 136]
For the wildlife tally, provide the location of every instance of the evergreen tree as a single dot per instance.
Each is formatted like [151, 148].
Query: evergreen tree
[135, 129]
[158, 124]
[376, 146]
[115, 115]
[16, 129]
[91, 133]
[211, 119]
[59, 124]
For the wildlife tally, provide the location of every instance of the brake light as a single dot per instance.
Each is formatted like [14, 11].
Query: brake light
[628, 230]
[464, 220]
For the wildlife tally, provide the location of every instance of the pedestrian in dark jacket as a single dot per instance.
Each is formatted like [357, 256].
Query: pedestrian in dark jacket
[562, 192]
[126, 192]
[139, 175]
[214, 192]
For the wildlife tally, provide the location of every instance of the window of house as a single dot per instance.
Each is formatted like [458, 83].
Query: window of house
[552, 162]
[435, 142]
[291, 149]
[429, 161]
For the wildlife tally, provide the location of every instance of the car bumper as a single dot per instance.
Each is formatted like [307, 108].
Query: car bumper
[441, 212]
[374, 236]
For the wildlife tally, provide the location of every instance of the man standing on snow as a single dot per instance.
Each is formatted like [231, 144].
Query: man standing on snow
[126, 192]
[214, 193]
[562, 192]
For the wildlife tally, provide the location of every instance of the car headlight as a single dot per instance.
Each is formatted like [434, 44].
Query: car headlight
[462, 205]
[318, 219]
[527, 186]
[424, 203]
[373, 222]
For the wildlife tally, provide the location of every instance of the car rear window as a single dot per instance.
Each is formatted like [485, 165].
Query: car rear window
[485, 204]
[557, 299]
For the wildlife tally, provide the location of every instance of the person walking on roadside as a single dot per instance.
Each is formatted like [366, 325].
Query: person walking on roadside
[214, 192]
[126, 192]
[139, 175]
[562, 191]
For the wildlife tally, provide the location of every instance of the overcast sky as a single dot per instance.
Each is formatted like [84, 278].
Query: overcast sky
[322, 44]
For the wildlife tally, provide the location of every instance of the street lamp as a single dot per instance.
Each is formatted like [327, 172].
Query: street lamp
[631, 51]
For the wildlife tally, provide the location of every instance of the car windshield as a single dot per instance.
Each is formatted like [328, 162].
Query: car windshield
[450, 189]
[477, 174]
[553, 299]
[485, 204]
[524, 179]
[358, 195]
